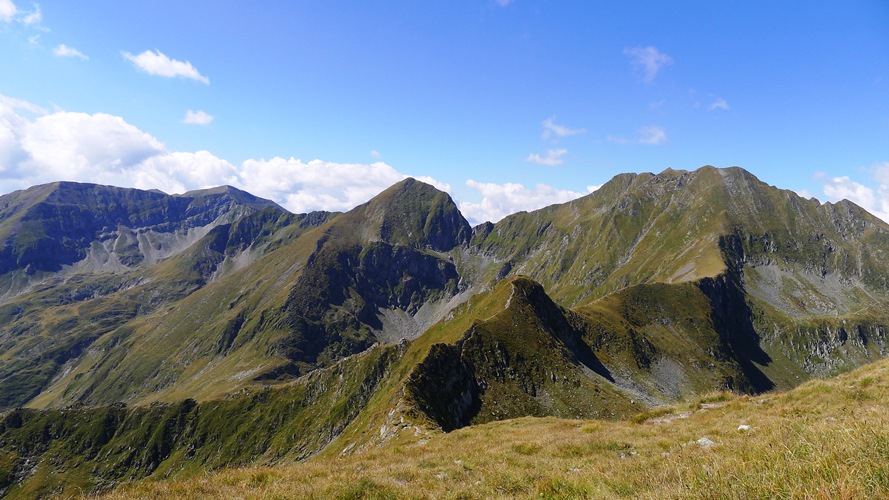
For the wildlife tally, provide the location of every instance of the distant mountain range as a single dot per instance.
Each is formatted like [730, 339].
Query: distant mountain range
[234, 332]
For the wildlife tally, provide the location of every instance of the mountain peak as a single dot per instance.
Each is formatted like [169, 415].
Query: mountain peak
[237, 195]
[63, 223]
[417, 214]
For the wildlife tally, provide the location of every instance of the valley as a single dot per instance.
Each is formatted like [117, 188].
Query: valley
[153, 336]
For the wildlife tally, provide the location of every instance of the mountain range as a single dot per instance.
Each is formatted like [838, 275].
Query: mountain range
[143, 334]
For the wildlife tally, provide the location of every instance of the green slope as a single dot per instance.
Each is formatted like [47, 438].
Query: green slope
[654, 289]
[270, 297]
[825, 439]
[55, 333]
[77, 450]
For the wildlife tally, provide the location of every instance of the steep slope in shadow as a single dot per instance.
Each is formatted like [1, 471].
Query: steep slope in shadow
[88, 228]
[527, 359]
[390, 254]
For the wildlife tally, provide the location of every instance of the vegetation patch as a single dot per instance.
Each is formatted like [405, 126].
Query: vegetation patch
[799, 445]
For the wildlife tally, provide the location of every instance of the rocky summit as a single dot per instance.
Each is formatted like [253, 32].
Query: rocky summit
[143, 335]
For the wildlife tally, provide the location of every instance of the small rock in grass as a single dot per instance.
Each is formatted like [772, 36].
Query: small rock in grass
[743, 427]
[705, 442]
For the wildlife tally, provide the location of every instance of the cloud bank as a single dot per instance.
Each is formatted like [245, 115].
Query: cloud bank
[37, 147]
[500, 200]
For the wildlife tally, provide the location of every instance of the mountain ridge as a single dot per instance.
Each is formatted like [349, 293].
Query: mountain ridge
[654, 289]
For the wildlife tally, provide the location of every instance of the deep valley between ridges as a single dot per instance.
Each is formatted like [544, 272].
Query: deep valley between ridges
[235, 333]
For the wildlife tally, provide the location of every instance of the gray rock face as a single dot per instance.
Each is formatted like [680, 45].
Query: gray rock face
[52, 227]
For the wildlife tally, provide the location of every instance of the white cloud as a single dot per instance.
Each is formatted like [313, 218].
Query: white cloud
[79, 146]
[375, 153]
[719, 104]
[34, 16]
[651, 134]
[157, 63]
[551, 128]
[553, 157]
[880, 172]
[649, 60]
[500, 200]
[21, 104]
[197, 118]
[180, 171]
[838, 188]
[319, 185]
[873, 198]
[9, 13]
[65, 51]
[7, 10]
[37, 147]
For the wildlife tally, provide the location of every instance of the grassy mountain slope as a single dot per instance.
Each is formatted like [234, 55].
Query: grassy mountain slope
[275, 296]
[83, 449]
[267, 297]
[634, 229]
[49, 335]
[505, 353]
[826, 438]
[125, 362]
[654, 289]
[673, 227]
[812, 276]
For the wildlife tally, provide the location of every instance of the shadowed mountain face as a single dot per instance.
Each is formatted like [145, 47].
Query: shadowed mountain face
[653, 289]
[101, 228]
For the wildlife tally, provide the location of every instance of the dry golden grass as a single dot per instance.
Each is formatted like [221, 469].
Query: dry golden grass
[825, 439]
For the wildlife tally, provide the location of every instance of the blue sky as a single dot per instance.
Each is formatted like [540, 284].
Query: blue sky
[508, 105]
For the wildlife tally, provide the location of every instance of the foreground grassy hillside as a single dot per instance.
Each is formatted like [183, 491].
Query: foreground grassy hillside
[78, 449]
[824, 439]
